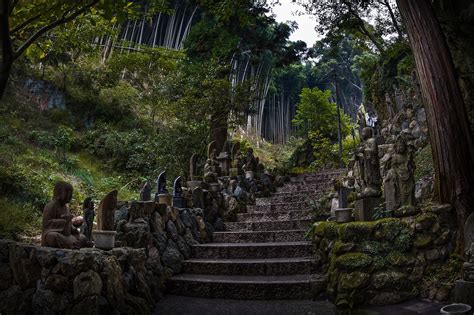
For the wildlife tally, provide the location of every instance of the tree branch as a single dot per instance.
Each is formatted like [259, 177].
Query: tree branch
[394, 19]
[51, 26]
[364, 29]
[25, 23]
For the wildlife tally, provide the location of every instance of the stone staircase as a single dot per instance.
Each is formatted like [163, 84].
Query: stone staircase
[264, 255]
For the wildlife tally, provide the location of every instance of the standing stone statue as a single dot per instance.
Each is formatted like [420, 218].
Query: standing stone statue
[145, 193]
[369, 163]
[224, 158]
[57, 230]
[211, 169]
[89, 214]
[251, 163]
[106, 210]
[237, 161]
[399, 183]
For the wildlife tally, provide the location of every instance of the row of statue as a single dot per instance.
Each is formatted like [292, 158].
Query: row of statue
[229, 162]
[395, 170]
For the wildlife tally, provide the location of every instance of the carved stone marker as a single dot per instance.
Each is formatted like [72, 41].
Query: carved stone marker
[178, 200]
[89, 214]
[145, 193]
[107, 207]
[58, 230]
[162, 196]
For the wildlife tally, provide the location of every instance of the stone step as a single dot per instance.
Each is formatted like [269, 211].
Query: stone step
[292, 187]
[249, 267]
[273, 216]
[246, 287]
[300, 193]
[290, 198]
[252, 250]
[268, 225]
[259, 236]
[278, 207]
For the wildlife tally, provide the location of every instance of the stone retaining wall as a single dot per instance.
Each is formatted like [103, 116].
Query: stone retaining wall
[382, 262]
[155, 240]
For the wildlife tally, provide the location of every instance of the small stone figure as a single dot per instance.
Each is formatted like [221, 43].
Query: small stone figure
[237, 161]
[224, 158]
[251, 163]
[145, 193]
[89, 214]
[399, 183]
[369, 163]
[57, 226]
[106, 211]
[211, 169]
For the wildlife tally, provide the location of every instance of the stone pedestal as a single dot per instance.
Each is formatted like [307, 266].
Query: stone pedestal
[342, 195]
[192, 184]
[364, 208]
[464, 292]
[179, 202]
[164, 199]
[343, 215]
[224, 163]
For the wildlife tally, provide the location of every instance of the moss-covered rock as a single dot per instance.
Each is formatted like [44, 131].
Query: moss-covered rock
[352, 261]
[406, 211]
[422, 240]
[389, 228]
[404, 240]
[375, 247]
[425, 221]
[328, 230]
[353, 280]
[390, 280]
[342, 248]
[398, 259]
[356, 231]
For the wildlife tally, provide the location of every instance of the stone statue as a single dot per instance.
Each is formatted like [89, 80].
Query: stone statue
[251, 163]
[106, 210]
[211, 169]
[89, 214]
[224, 158]
[399, 183]
[369, 163]
[145, 193]
[57, 221]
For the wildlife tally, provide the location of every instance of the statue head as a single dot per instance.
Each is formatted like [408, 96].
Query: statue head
[401, 146]
[367, 133]
[62, 192]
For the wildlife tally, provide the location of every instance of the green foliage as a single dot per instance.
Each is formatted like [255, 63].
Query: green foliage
[424, 163]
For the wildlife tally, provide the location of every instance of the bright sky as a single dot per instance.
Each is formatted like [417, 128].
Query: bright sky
[291, 11]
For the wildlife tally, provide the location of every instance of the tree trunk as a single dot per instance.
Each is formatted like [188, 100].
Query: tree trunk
[6, 50]
[450, 135]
